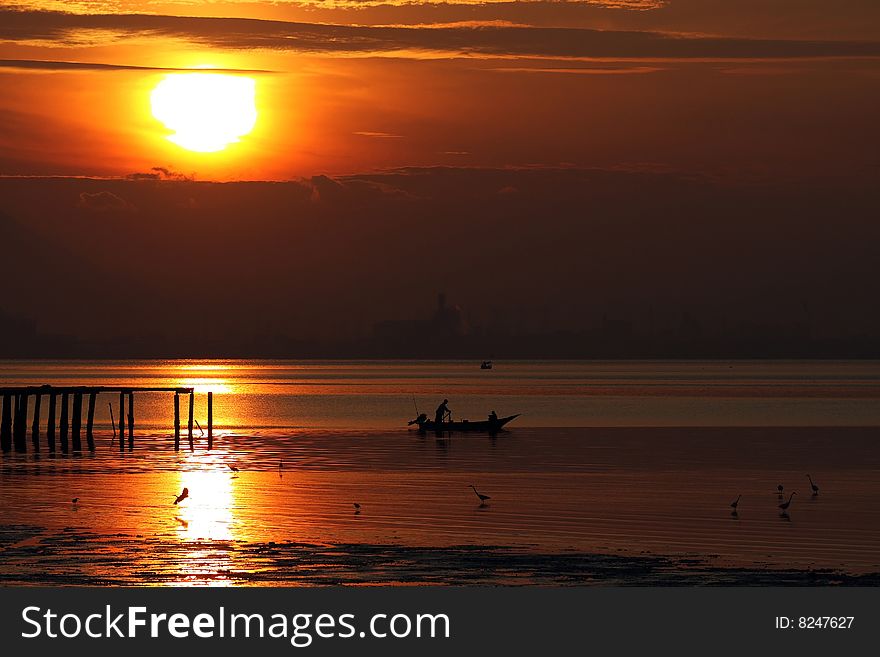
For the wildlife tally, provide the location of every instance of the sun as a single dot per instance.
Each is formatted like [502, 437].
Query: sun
[205, 111]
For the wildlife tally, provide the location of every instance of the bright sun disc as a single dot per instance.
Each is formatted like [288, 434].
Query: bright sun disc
[206, 111]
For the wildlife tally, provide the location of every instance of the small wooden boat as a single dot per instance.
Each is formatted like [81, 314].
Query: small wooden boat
[485, 426]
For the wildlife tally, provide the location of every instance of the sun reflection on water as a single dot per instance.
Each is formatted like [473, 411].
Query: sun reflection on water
[205, 384]
[206, 522]
[209, 511]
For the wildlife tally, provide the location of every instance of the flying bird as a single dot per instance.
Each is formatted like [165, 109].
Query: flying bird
[180, 498]
[482, 497]
[784, 506]
[734, 504]
[813, 486]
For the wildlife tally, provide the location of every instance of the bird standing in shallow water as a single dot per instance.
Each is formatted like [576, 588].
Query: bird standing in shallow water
[482, 497]
[784, 506]
[735, 503]
[779, 489]
[232, 467]
[180, 498]
[357, 508]
[74, 501]
[813, 486]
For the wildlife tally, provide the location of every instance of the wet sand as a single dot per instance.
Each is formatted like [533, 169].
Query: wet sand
[568, 506]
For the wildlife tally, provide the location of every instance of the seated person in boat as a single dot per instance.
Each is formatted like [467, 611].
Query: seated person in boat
[493, 416]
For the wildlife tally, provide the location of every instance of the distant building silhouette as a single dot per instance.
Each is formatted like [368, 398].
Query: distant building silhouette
[446, 323]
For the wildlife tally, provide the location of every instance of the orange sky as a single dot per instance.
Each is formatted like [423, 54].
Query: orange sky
[660, 163]
[666, 84]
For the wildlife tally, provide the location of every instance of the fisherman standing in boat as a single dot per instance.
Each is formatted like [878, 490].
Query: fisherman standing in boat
[442, 412]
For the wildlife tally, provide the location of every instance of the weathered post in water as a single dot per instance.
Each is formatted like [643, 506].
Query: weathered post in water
[76, 422]
[50, 425]
[210, 419]
[19, 432]
[130, 420]
[90, 421]
[176, 421]
[16, 419]
[121, 421]
[35, 426]
[6, 423]
[190, 424]
[64, 405]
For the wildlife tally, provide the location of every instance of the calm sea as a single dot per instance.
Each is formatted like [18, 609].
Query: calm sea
[615, 473]
[256, 396]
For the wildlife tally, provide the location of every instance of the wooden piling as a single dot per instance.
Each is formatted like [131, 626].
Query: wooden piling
[121, 421]
[15, 420]
[90, 421]
[19, 429]
[50, 425]
[210, 420]
[6, 424]
[64, 405]
[176, 421]
[76, 422]
[130, 420]
[35, 426]
[190, 424]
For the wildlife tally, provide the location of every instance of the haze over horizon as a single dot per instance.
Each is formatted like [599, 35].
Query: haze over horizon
[686, 177]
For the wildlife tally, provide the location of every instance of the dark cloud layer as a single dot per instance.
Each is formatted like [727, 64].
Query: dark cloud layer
[489, 40]
[103, 201]
[519, 250]
[55, 65]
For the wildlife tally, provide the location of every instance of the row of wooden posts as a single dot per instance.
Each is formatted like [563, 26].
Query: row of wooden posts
[13, 421]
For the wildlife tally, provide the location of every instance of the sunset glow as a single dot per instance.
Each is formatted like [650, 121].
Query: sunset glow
[206, 111]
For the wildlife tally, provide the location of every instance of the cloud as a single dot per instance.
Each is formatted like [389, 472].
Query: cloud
[484, 41]
[160, 173]
[592, 70]
[103, 201]
[569, 246]
[380, 135]
[54, 65]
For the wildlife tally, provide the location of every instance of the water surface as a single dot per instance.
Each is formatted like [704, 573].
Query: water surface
[637, 491]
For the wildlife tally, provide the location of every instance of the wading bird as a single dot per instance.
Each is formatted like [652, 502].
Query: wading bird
[813, 486]
[357, 507]
[784, 506]
[779, 489]
[74, 501]
[735, 503]
[232, 467]
[180, 498]
[482, 497]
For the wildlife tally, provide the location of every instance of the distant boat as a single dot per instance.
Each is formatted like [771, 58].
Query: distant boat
[486, 365]
[486, 426]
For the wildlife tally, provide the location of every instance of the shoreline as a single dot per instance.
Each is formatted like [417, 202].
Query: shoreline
[72, 558]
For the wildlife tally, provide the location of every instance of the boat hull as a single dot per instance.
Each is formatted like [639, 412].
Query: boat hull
[482, 426]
